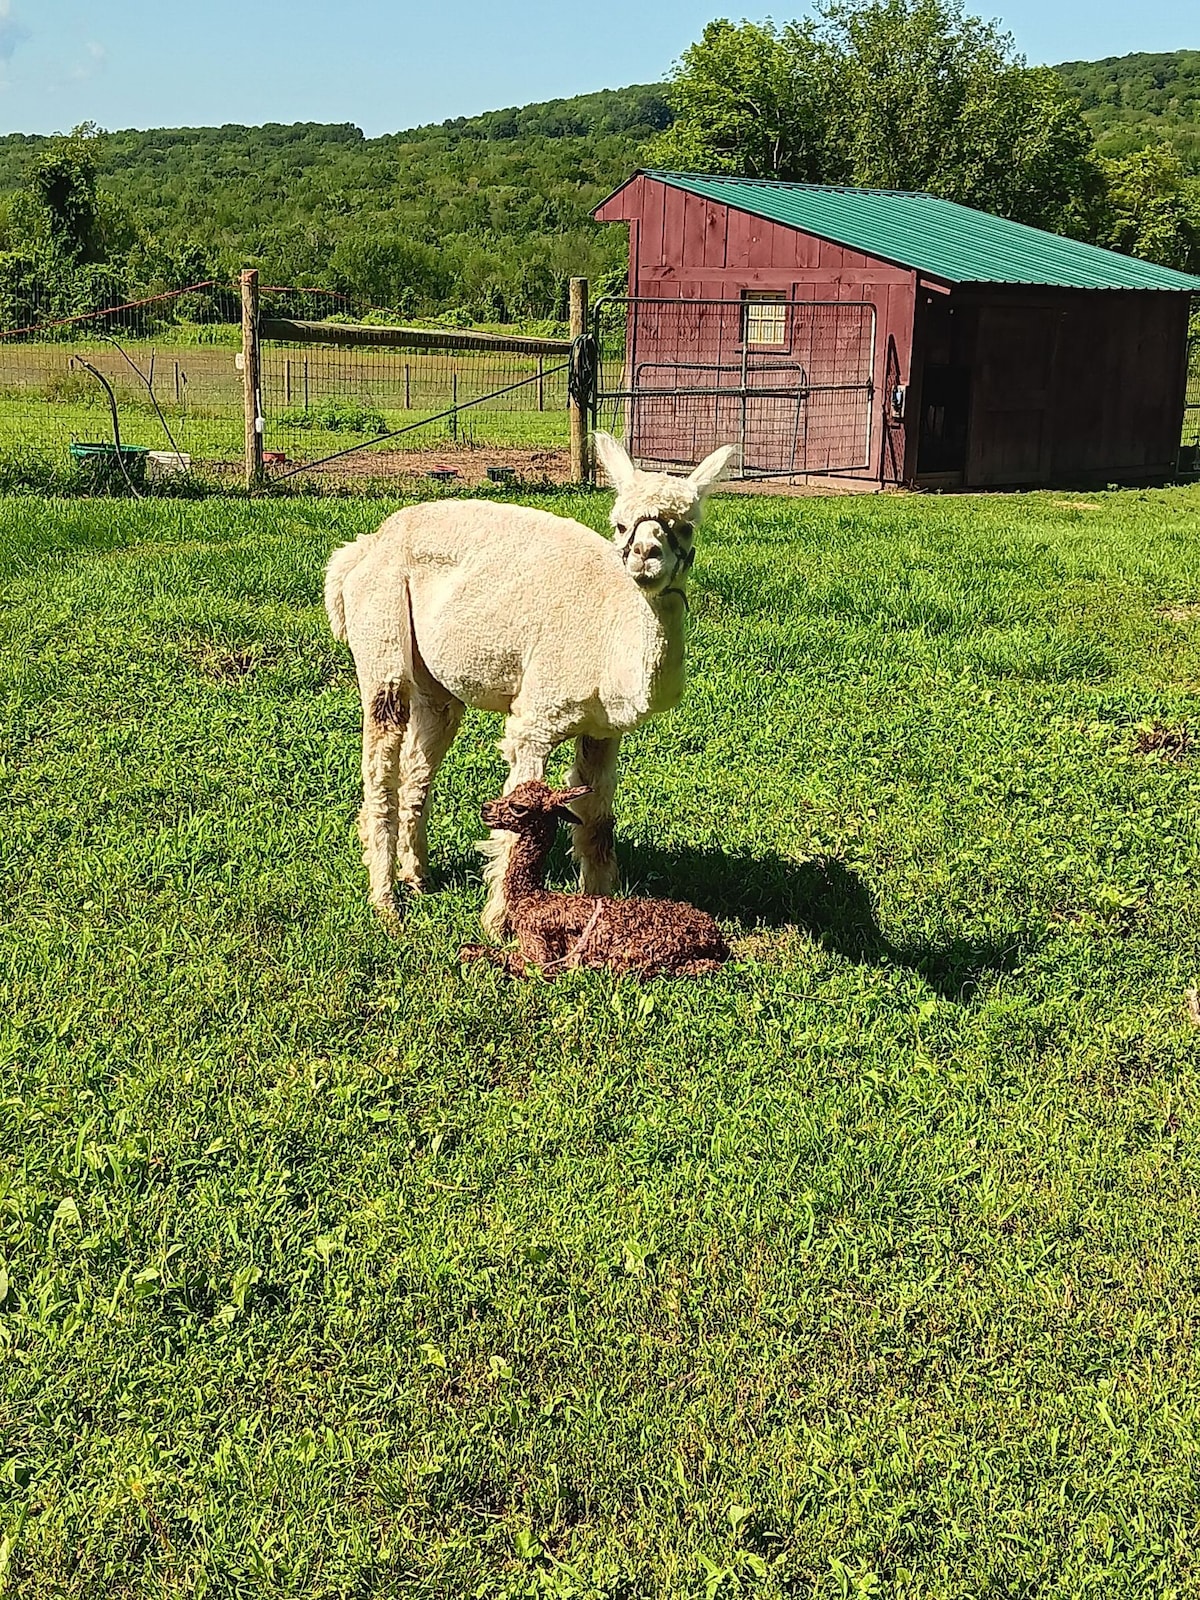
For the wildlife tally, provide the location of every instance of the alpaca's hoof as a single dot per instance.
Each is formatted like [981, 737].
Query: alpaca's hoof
[388, 912]
[474, 952]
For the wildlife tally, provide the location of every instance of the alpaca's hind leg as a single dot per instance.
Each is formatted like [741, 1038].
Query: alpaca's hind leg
[527, 754]
[432, 725]
[592, 843]
[385, 716]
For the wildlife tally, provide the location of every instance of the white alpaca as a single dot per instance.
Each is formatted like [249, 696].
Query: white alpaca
[504, 608]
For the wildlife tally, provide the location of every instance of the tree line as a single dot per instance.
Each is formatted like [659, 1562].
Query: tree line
[485, 219]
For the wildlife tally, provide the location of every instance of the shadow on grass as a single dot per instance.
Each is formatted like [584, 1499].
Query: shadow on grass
[821, 896]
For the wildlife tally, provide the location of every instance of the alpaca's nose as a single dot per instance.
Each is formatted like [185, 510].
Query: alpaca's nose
[644, 552]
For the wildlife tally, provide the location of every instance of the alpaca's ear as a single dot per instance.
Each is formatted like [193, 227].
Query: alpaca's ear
[563, 811]
[618, 468]
[712, 469]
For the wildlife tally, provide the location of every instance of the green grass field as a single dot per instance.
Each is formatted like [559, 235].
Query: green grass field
[867, 1269]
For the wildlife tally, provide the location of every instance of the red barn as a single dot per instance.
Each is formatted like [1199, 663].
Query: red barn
[885, 337]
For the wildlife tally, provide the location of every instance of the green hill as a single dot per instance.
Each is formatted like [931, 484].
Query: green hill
[483, 216]
[488, 212]
[1137, 100]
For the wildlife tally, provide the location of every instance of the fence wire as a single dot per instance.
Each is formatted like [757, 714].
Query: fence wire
[170, 362]
[457, 413]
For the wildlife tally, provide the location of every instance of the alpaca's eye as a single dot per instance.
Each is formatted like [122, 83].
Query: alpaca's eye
[621, 529]
[518, 808]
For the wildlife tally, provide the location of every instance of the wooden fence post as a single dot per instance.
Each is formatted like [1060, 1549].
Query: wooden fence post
[252, 379]
[578, 404]
[541, 383]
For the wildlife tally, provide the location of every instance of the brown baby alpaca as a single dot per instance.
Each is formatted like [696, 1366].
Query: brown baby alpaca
[652, 938]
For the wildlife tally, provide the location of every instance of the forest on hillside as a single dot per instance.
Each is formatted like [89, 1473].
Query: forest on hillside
[486, 218]
[1131, 102]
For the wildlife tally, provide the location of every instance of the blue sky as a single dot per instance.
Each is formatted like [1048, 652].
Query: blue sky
[131, 63]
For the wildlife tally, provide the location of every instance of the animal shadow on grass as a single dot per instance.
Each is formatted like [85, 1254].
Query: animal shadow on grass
[821, 896]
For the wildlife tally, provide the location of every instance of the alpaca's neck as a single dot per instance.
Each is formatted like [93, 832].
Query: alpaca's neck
[526, 870]
[667, 669]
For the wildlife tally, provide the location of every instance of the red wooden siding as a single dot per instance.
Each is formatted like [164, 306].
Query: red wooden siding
[1074, 386]
[685, 247]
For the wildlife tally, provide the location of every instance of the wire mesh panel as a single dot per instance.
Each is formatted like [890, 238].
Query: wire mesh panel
[162, 377]
[380, 400]
[788, 381]
[1189, 454]
[165, 365]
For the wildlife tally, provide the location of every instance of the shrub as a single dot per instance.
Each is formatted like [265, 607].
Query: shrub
[336, 416]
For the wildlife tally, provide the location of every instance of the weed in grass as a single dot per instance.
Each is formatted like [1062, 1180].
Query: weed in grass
[866, 1268]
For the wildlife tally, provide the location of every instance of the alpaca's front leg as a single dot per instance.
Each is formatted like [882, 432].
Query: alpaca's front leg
[527, 751]
[592, 843]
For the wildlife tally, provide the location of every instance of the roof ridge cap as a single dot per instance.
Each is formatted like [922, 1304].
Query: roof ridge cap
[784, 183]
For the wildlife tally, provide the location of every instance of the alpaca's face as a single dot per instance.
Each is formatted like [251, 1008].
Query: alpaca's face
[655, 514]
[533, 806]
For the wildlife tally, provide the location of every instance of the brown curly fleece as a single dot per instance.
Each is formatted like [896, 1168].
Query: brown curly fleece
[650, 938]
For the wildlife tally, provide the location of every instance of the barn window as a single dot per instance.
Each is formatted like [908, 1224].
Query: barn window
[764, 319]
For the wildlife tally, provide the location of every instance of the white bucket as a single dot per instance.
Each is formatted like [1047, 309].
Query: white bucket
[166, 464]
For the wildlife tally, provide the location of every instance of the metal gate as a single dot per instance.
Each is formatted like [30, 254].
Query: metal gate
[1189, 449]
[790, 382]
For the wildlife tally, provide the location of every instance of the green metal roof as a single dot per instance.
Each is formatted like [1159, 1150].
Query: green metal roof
[937, 237]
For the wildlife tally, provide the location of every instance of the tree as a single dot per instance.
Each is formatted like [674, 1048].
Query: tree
[757, 102]
[61, 199]
[895, 94]
[1154, 208]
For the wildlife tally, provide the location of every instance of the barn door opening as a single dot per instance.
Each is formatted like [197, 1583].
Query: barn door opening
[789, 382]
[945, 413]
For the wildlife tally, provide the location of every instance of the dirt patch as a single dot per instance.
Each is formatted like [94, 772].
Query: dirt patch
[1080, 505]
[1181, 611]
[1159, 740]
[468, 463]
[1191, 1006]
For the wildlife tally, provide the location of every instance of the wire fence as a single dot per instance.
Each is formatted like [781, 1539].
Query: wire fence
[396, 408]
[162, 376]
[165, 364]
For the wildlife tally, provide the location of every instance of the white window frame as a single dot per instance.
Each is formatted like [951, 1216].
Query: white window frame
[763, 329]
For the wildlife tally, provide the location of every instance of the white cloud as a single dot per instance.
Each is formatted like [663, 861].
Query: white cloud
[97, 55]
[13, 31]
